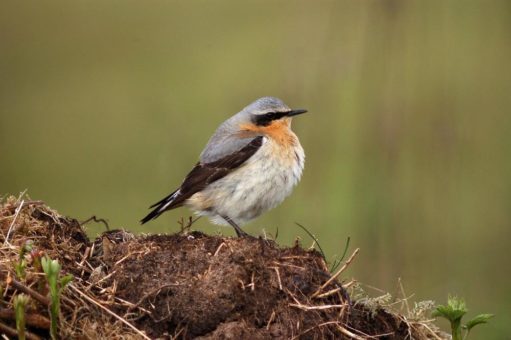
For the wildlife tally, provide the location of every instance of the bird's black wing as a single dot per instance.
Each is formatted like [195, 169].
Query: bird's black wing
[202, 175]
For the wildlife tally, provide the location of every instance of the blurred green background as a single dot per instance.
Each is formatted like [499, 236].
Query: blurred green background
[105, 106]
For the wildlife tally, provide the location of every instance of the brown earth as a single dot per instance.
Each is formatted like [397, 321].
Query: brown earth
[182, 286]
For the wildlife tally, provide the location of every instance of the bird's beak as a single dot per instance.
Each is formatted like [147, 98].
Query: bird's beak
[295, 112]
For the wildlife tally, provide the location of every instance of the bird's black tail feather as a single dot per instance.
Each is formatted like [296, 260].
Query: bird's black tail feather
[160, 207]
[151, 216]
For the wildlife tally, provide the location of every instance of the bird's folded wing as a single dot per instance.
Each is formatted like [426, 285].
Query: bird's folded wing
[204, 174]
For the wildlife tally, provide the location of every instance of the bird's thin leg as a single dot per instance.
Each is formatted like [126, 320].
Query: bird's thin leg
[236, 227]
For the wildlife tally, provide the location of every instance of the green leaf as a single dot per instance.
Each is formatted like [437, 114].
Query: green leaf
[19, 268]
[479, 319]
[45, 263]
[448, 313]
[314, 238]
[65, 280]
[20, 301]
[453, 312]
[27, 248]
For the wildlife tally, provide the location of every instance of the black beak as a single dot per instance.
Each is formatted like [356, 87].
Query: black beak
[295, 112]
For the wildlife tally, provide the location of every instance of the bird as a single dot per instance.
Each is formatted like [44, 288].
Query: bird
[249, 166]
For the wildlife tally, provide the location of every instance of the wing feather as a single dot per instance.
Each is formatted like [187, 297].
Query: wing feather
[202, 175]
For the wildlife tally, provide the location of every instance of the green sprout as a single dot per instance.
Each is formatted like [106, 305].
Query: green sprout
[52, 270]
[22, 263]
[20, 301]
[454, 312]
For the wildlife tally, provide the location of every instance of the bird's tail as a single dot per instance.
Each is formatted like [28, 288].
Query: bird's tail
[161, 206]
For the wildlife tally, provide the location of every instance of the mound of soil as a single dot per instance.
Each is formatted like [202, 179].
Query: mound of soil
[184, 286]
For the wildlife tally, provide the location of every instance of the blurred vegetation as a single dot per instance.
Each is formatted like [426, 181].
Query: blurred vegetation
[105, 106]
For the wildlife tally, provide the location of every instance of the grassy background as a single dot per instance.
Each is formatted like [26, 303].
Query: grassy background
[105, 106]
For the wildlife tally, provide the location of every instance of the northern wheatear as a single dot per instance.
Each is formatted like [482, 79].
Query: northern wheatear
[249, 166]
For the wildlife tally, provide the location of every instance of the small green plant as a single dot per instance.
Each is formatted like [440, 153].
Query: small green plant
[20, 301]
[52, 270]
[337, 261]
[454, 312]
[22, 263]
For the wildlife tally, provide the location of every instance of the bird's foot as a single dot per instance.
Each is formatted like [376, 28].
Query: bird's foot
[236, 227]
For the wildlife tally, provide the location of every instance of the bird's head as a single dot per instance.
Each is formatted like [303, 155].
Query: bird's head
[266, 111]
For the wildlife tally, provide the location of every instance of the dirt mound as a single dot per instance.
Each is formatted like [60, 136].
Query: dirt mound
[187, 285]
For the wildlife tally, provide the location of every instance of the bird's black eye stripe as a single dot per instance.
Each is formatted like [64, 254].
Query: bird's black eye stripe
[267, 118]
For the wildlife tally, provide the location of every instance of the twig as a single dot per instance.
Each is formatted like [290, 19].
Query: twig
[13, 333]
[35, 320]
[252, 283]
[8, 330]
[52, 216]
[85, 256]
[86, 297]
[272, 316]
[330, 292]
[242, 284]
[104, 278]
[97, 220]
[313, 327]
[132, 305]
[292, 257]
[340, 295]
[17, 204]
[122, 260]
[321, 307]
[288, 265]
[186, 228]
[331, 279]
[11, 227]
[278, 276]
[137, 305]
[376, 289]
[27, 290]
[431, 331]
[176, 335]
[348, 333]
[401, 301]
[349, 283]
[293, 297]
[218, 249]
[405, 299]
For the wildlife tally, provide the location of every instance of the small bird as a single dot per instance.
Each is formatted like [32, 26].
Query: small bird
[249, 166]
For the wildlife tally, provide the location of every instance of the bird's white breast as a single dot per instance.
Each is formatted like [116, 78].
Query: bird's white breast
[260, 184]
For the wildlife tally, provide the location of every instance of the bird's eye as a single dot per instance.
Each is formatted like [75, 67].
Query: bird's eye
[267, 118]
[264, 119]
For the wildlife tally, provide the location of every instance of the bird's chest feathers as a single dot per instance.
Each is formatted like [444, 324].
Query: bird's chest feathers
[281, 139]
[281, 156]
[280, 133]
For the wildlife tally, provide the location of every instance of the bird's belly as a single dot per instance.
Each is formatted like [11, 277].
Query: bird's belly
[259, 185]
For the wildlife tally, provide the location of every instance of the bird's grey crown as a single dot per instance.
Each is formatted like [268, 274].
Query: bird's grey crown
[266, 104]
[226, 139]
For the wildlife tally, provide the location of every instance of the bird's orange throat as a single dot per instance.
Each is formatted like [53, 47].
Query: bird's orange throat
[279, 131]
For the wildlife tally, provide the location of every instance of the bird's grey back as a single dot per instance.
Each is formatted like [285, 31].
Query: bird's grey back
[225, 140]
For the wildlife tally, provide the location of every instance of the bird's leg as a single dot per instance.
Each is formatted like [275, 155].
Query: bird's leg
[236, 227]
